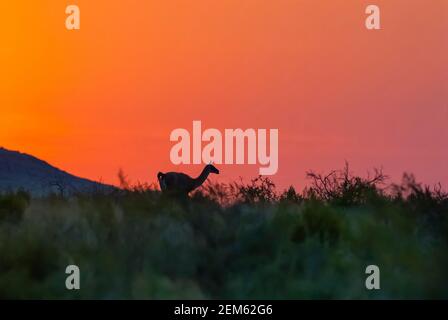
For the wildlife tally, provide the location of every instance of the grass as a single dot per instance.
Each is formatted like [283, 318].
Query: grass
[230, 241]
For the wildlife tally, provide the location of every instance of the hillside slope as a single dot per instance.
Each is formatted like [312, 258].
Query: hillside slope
[20, 171]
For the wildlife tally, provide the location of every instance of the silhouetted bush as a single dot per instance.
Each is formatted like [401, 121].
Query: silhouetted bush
[341, 187]
[259, 190]
[291, 196]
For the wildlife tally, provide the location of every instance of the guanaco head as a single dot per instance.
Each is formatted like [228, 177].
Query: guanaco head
[211, 168]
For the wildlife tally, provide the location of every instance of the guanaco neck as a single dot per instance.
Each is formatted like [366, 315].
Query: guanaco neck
[197, 182]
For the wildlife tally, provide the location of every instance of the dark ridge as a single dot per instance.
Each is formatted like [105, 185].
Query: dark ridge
[21, 171]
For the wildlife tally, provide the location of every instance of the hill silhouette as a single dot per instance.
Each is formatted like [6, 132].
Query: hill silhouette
[20, 171]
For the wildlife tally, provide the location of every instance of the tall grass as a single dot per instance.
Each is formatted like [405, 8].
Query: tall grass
[242, 240]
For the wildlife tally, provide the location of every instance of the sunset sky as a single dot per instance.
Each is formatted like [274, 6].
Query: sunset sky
[108, 96]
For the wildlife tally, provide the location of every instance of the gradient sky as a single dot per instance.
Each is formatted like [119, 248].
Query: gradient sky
[108, 96]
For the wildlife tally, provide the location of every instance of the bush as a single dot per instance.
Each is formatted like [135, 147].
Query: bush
[13, 205]
[341, 187]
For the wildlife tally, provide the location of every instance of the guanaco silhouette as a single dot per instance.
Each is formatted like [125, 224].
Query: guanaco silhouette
[182, 184]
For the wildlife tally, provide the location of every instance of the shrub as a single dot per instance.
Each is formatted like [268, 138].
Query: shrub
[259, 190]
[13, 205]
[341, 187]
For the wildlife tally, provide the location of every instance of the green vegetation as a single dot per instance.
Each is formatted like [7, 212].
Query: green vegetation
[230, 241]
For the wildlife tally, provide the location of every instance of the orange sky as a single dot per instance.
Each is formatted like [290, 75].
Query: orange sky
[108, 96]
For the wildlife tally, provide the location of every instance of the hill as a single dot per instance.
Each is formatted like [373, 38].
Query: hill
[20, 171]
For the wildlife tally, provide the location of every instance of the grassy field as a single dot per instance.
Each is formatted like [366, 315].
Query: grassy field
[230, 241]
